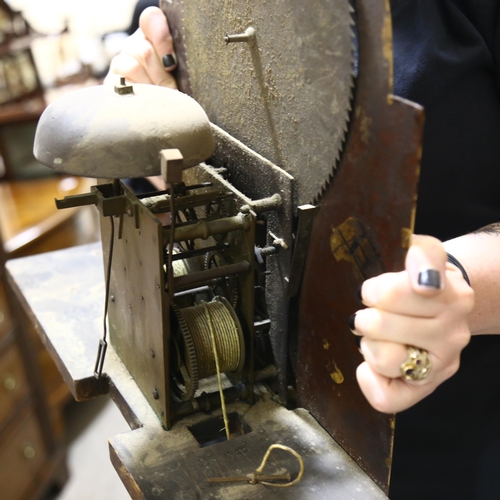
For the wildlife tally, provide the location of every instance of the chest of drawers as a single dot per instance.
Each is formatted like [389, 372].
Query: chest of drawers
[32, 459]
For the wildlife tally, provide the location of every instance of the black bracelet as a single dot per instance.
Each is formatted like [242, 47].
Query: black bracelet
[455, 262]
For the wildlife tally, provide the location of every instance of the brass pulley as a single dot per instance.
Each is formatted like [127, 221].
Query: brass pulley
[192, 356]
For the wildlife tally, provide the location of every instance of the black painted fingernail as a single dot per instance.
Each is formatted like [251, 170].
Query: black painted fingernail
[168, 61]
[352, 320]
[357, 340]
[430, 278]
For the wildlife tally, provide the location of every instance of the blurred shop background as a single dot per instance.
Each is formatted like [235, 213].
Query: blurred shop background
[50, 446]
[74, 36]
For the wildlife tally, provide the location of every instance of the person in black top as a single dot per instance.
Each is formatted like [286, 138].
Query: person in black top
[447, 58]
[430, 340]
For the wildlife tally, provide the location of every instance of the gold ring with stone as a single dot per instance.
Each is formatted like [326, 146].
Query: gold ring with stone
[417, 365]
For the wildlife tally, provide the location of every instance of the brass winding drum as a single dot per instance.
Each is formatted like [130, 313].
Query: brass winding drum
[192, 355]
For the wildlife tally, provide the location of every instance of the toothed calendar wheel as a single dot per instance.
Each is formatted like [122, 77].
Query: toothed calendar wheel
[184, 372]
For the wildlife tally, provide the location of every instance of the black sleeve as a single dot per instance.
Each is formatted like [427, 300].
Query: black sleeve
[446, 58]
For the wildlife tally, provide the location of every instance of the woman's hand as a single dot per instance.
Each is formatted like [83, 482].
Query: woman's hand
[426, 306]
[148, 55]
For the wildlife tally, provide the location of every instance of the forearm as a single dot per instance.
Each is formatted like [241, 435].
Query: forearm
[479, 253]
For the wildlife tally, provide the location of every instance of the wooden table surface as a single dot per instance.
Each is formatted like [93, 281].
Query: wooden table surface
[63, 292]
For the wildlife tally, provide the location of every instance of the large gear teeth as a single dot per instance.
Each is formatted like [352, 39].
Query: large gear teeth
[288, 98]
[345, 127]
[191, 362]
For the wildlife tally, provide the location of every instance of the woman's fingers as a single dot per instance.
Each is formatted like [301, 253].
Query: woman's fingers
[161, 59]
[390, 395]
[425, 307]
[394, 292]
[385, 358]
[426, 275]
[426, 265]
[443, 333]
[148, 54]
[126, 65]
[154, 25]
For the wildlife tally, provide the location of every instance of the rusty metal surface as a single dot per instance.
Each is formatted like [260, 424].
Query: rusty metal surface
[361, 229]
[258, 178]
[288, 96]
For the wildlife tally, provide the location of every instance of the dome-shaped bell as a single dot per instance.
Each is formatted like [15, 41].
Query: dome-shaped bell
[115, 133]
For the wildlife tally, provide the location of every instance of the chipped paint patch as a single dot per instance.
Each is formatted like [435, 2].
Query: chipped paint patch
[335, 373]
[351, 242]
[387, 43]
[406, 234]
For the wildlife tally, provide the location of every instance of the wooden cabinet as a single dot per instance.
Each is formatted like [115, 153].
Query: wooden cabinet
[5, 319]
[33, 394]
[23, 454]
[30, 224]
[14, 387]
[31, 457]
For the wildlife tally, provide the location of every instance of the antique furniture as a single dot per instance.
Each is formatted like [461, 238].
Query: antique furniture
[33, 393]
[32, 456]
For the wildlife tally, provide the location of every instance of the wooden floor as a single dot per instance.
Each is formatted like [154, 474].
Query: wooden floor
[89, 425]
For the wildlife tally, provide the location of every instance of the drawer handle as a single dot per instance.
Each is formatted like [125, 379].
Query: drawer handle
[9, 382]
[29, 452]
